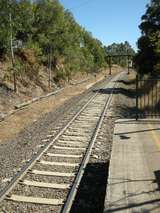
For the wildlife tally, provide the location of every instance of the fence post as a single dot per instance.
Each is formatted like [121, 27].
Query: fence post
[128, 64]
[110, 65]
[136, 97]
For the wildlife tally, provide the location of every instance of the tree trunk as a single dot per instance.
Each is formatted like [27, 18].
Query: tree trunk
[12, 53]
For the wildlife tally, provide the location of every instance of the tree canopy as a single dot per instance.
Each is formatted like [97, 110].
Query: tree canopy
[148, 58]
[120, 49]
[51, 35]
[46, 28]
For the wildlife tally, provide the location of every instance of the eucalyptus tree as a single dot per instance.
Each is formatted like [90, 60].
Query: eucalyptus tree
[148, 57]
[49, 31]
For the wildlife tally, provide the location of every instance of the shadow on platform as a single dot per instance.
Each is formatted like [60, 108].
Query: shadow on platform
[138, 131]
[135, 205]
[113, 207]
[139, 121]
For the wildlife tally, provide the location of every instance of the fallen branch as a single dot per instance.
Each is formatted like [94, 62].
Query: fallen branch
[19, 107]
[24, 104]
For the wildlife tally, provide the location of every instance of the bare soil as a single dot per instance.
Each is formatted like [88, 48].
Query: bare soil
[17, 122]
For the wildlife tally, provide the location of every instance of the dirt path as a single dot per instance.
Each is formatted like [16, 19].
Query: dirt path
[12, 125]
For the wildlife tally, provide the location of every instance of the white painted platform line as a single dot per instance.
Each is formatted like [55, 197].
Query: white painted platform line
[68, 148]
[36, 200]
[59, 163]
[56, 174]
[46, 185]
[63, 155]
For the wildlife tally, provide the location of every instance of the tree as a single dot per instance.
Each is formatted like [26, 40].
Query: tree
[7, 7]
[148, 58]
[47, 30]
[120, 49]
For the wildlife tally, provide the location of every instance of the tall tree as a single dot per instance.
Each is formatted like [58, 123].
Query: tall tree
[148, 57]
[47, 30]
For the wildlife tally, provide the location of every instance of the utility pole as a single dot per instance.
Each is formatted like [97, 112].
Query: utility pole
[50, 67]
[12, 53]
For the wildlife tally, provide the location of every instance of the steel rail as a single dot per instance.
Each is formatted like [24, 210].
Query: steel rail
[35, 158]
[20, 174]
[68, 205]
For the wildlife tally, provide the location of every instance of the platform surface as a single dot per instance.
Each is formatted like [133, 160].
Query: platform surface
[134, 172]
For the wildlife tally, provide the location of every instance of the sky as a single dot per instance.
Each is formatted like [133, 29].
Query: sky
[109, 20]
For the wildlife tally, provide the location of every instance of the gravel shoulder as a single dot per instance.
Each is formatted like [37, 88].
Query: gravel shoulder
[92, 191]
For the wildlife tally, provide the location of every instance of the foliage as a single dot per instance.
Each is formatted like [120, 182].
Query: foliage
[119, 49]
[19, 68]
[148, 57]
[45, 28]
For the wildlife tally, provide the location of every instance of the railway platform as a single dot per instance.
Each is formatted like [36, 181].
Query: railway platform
[134, 172]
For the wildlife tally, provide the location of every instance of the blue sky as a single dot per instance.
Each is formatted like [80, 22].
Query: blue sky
[109, 20]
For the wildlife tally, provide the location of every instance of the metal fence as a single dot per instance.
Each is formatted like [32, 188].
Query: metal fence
[147, 97]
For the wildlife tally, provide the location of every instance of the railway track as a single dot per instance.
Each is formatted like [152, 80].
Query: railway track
[49, 181]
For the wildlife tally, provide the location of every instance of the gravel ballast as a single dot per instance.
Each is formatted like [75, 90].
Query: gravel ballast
[92, 191]
[14, 153]
[95, 179]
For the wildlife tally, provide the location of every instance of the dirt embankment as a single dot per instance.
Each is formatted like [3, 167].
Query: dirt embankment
[13, 124]
[31, 83]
